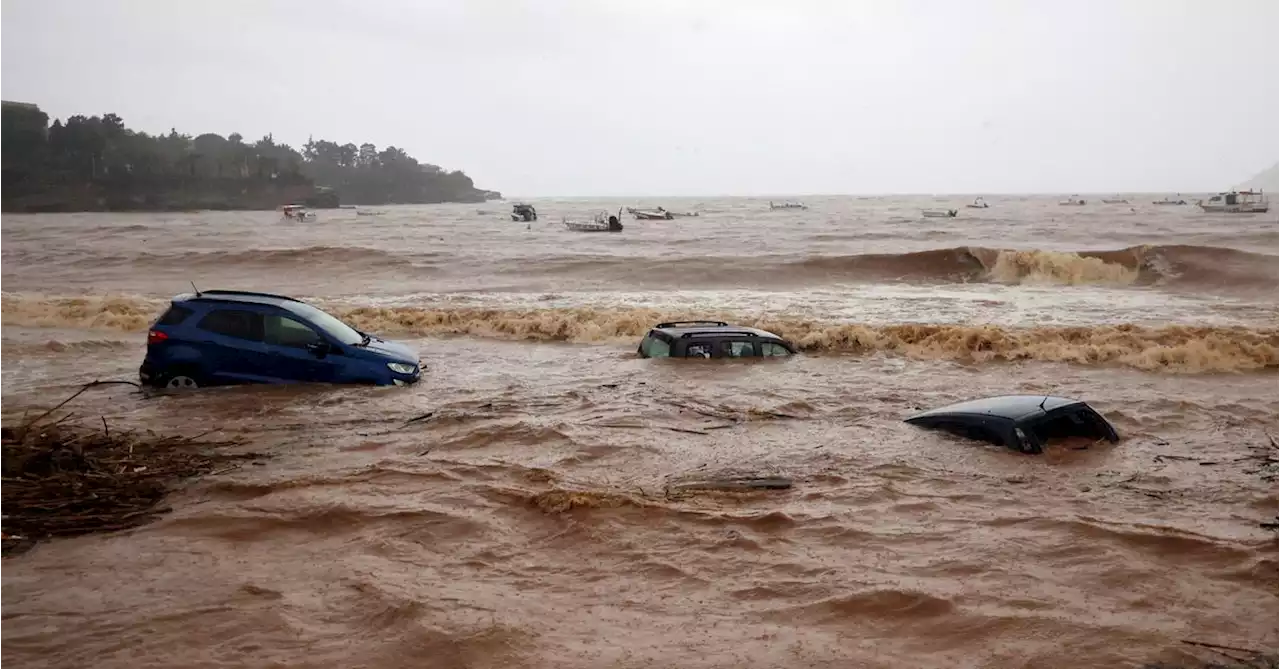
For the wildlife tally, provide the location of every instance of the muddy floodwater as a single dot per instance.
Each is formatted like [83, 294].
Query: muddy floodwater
[541, 515]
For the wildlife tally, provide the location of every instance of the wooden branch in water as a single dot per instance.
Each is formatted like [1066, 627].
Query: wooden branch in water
[733, 484]
[1215, 646]
[418, 418]
[92, 384]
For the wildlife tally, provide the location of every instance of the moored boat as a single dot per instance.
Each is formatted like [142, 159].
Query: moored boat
[940, 213]
[1073, 201]
[978, 203]
[523, 212]
[1237, 202]
[787, 205]
[1114, 201]
[1168, 201]
[602, 222]
[658, 214]
[297, 212]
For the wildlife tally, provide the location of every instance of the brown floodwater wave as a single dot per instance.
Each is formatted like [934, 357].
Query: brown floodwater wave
[1172, 348]
[1188, 268]
[1178, 265]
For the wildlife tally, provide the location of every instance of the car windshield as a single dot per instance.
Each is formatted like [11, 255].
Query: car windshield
[335, 328]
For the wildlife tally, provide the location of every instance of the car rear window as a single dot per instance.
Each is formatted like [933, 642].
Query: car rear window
[233, 323]
[174, 315]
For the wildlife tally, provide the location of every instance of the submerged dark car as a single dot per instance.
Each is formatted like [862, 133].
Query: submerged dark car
[711, 339]
[1024, 423]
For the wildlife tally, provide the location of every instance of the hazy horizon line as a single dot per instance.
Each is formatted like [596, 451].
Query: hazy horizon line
[778, 197]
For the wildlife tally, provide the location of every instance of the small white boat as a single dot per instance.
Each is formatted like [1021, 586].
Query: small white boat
[940, 213]
[1237, 202]
[787, 205]
[1114, 201]
[602, 222]
[978, 203]
[1168, 201]
[297, 212]
[1073, 201]
[658, 214]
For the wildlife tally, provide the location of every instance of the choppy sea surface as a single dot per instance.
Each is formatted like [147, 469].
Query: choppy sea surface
[539, 518]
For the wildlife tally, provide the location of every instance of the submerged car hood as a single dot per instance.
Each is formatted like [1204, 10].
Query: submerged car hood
[393, 351]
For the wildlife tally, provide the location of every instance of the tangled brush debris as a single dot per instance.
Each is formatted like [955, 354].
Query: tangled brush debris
[64, 479]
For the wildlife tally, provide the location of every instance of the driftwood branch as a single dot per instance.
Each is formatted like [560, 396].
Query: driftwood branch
[92, 384]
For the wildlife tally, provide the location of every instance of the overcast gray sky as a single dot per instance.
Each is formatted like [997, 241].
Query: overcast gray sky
[604, 97]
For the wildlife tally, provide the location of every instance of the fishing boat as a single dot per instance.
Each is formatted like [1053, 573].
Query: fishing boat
[978, 203]
[603, 221]
[1237, 202]
[523, 212]
[297, 212]
[362, 212]
[787, 205]
[658, 214]
[940, 213]
[1073, 201]
[1168, 201]
[1114, 201]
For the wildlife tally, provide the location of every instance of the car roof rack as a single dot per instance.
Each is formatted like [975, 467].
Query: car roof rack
[245, 293]
[674, 324]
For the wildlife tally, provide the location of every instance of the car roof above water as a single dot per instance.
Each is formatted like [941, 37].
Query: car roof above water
[687, 328]
[1011, 407]
[241, 296]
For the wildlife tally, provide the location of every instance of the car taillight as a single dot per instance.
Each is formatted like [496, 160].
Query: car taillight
[156, 336]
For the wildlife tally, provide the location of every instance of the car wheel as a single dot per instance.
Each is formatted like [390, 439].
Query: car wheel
[180, 378]
[182, 382]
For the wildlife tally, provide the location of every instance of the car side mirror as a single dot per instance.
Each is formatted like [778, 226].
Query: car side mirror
[320, 349]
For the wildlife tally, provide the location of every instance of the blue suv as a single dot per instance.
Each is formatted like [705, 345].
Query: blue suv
[221, 337]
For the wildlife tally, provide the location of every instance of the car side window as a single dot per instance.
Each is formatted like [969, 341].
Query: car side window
[737, 349]
[235, 323]
[698, 350]
[770, 349]
[654, 346]
[284, 331]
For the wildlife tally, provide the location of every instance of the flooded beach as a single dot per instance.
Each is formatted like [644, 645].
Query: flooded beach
[531, 502]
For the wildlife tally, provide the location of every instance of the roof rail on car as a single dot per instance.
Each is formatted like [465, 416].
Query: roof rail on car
[247, 293]
[718, 333]
[674, 324]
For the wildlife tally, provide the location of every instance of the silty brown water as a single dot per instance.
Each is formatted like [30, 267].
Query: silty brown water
[537, 519]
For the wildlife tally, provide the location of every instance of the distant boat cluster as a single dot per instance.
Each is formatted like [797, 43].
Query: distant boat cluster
[1245, 201]
[1230, 202]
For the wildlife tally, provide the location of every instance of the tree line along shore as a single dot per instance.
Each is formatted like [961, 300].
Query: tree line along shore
[96, 163]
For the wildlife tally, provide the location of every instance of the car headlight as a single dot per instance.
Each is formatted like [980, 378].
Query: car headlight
[401, 367]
